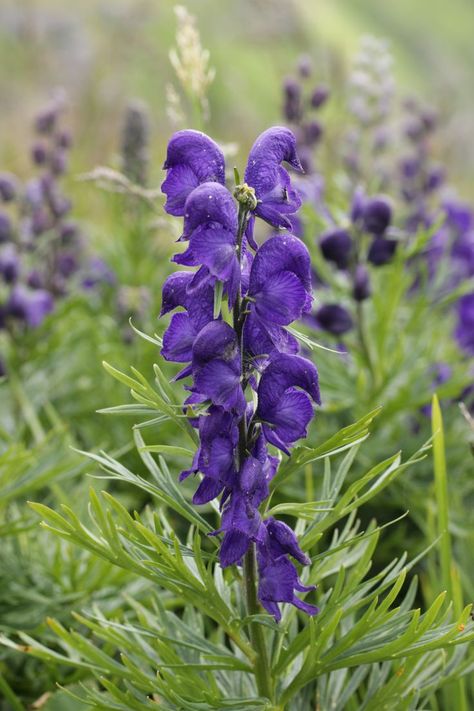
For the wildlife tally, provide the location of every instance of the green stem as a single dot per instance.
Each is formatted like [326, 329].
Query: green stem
[257, 637]
[10, 695]
[364, 346]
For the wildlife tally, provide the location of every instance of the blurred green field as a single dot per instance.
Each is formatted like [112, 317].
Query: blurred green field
[107, 51]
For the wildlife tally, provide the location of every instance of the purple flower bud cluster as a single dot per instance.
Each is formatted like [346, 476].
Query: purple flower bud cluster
[249, 388]
[364, 242]
[300, 107]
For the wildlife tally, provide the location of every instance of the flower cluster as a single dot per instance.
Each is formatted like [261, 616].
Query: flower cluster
[300, 108]
[41, 249]
[365, 241]
[249, 387]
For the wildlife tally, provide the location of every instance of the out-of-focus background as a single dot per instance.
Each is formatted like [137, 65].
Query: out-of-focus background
[103, 52]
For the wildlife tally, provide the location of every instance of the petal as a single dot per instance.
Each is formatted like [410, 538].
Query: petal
[179, 182]
[192, 158]
[281, 300]
[219, 382]
[217, 340]
[207, 490]
[275, 145]
[210, 202]
[178, 339]
[283, 540]
[288, 419]
[281, 253]
[234, 546]
[287, 371]
[174, 291]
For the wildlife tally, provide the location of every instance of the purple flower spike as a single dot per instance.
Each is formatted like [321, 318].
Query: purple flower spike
[269, 287]
[192, 158]
[275, 194]
[336, 247]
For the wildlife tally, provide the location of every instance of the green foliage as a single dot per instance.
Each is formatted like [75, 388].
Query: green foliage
[187, 645]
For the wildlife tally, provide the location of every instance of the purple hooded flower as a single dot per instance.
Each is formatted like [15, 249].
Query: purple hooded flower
[377, 215]
[280, 280]
[334, 319]
[336, 246]
[319, 96]
[179, 337]
[192, 158]
[381, 251]
[31, 306]
[216, 366]
[284, 407]
[361, 283]
[210, 225]
[271, 182]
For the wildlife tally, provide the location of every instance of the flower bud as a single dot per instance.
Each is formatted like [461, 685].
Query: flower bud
[377, 215]
[312, 132]
[292, 102]
[305, 66]
[336, 247]
[381, 251]
[8, 187]
[9, 263]
[361, 285]
[319, 96]
[58, 162]
[39, 154]
[334, 318]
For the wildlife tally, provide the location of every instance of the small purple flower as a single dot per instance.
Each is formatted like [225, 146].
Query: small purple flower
[292, 107]
[361, 283]
[275, 195]
[8, 187]
[381, 251]
[284, 407]
[337, 247]
[210, 225]
[192, 158]
[334, 319]
[377, 215]
[216, 367]
[30, 306]
[319, 97]
[9, 263]
[184, 327]
[39, 154]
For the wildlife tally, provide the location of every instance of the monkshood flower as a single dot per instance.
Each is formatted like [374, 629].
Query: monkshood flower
[249, 389]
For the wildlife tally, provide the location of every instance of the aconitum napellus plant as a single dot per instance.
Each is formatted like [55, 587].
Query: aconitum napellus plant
[248, 386]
